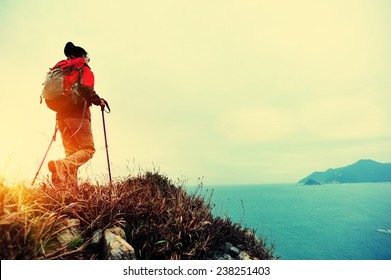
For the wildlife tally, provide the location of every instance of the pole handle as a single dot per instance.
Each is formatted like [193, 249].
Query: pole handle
[102, 108]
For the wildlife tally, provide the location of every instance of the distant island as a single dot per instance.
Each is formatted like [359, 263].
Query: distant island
[362, 171]
[311, 182]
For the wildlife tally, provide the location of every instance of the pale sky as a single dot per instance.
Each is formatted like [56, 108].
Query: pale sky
[229, 91]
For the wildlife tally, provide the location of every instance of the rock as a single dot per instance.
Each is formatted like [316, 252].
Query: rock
[118, 231]
[244, 256]
[230, 252]
[251, 235]
[224, 257]
[68, 231]
[115, 247]
[96, 237]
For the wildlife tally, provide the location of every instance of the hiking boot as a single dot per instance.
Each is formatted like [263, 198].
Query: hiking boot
[61, 175]
[54, 168]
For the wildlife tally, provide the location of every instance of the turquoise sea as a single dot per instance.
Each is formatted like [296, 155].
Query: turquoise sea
[327, 222]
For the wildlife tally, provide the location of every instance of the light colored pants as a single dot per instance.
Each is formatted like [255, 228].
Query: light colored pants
[78, 144]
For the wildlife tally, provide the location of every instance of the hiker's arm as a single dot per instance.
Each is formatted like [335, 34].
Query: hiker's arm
[86, 89]
[90, 95]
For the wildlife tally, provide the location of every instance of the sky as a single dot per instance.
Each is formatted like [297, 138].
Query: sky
[223, 91]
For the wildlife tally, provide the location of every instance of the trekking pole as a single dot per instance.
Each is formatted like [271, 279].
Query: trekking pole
[47, 151]
[105, 134]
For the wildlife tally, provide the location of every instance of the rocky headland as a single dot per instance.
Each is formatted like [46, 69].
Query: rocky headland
[144, 217]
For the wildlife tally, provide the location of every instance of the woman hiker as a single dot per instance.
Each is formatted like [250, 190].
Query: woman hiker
[74, 122]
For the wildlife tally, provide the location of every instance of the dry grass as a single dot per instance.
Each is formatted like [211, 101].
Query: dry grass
[161, 220]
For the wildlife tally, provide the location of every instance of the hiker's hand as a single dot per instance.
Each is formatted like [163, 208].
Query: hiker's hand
[104, 106]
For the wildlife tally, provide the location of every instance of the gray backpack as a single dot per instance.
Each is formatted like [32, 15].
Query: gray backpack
[60, 88]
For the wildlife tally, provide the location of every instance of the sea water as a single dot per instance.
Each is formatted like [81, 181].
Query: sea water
[326, 222]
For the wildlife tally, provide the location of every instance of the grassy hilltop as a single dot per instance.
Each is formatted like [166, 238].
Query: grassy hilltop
[161, 221]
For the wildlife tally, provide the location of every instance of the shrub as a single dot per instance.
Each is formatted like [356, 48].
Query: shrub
[161, 221]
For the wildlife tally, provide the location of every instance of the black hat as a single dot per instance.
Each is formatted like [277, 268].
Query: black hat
[72, 50]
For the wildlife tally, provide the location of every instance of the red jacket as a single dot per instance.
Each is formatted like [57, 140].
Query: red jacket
[86, 89]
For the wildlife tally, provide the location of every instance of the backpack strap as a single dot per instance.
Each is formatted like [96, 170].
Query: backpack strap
[80, 75]
[74, 88]
[81, 122]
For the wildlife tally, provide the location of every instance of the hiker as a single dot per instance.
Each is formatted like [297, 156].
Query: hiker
[74, 122]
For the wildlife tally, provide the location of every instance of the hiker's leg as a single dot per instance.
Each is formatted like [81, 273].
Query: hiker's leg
[62, 173]
[78, 144]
